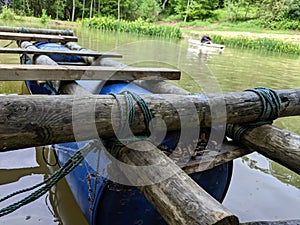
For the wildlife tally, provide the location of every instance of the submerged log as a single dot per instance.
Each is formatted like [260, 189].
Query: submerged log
[29, 121]
[277, 144]
[36, 31]
[178, 198]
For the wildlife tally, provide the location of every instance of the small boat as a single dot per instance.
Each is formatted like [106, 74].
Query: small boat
[102, 201]
[202, 48]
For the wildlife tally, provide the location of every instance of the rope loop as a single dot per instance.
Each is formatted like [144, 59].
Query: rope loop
[271, 107]
[130, 99]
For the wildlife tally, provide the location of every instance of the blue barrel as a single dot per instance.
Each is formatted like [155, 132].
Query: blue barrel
[104, 202]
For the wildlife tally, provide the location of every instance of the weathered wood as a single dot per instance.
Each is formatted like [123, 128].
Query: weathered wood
[11, 72]
[28, 121]
[161, 87]
[36, 31]
[277, 144]
[178, 198]
[57, 52]
[211, 158]
[88, 59]
[285, 222]
[36, 37]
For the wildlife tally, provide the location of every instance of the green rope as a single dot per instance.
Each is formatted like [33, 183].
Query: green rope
[130, 97]
[49, 182]
[271, 106]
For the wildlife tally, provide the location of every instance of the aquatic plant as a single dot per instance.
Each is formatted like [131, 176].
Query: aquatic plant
[138, 26]
[258, 43]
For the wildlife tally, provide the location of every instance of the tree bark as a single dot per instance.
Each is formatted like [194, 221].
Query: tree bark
[40, 120]
[73, 10]
[277, 144]
[178, 198]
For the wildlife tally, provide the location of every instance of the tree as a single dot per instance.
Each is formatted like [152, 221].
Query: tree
[293, 10]
[73, 10]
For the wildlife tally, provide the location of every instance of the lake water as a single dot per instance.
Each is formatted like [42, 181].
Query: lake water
[260, 189]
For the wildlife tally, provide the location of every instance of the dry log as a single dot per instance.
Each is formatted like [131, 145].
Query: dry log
[36, 37]
[40, 120]
[57, 52]
[277, 144]
[36, 31]
[173, 193]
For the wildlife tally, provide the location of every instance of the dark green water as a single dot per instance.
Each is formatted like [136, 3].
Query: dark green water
[260, 189]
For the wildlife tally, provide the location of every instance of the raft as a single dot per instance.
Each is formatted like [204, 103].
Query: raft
[104, 202]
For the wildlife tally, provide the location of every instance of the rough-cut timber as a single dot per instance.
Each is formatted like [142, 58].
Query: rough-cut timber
[178, 199]
[57, 52]
[277, 144]
[11, 72]
[36, 37]
[41, 120]
[36, 31]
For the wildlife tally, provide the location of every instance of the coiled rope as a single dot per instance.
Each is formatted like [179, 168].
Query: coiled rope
[271, 106]
[130, 98]
[49, 182]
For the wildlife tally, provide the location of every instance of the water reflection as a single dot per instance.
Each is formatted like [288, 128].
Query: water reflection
[260, 188]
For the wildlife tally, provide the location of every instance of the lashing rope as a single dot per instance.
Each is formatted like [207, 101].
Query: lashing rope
[49, 182]
[271, 106]
[130, 98]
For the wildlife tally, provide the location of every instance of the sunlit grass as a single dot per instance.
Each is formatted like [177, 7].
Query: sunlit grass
[137, 27]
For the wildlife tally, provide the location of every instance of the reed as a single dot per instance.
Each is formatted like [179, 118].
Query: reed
[137, 27]
[258, 43]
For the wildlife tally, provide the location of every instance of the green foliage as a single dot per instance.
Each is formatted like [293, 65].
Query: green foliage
[138, 27]
[293, 10]
[259, 43]
[7, 14]
[44, 18]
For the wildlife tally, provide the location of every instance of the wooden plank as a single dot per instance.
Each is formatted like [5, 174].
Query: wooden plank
[280, 145]
[177, 198]
[36, 37]
[57, 52]
[36, 31]
[10, 72]
[28, 121]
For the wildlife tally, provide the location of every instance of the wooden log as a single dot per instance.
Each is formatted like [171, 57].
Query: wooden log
[277, 144]
[285, 222]
[161, 87]
[11, 72]
[36, 37]
[74, 46]
[178, 198]
[36, 31]
[40, 120]
[57, 52]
